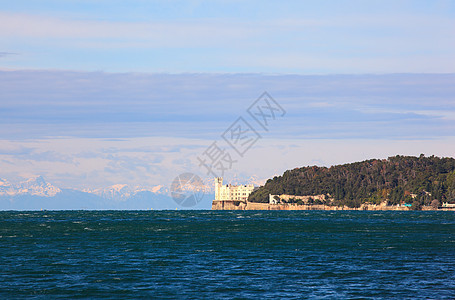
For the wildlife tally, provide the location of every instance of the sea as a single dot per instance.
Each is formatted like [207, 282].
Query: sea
[227, 255]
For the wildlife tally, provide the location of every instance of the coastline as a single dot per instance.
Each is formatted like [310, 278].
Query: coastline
[242, 205]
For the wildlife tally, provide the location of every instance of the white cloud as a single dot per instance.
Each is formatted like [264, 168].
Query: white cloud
[153, 34]
[87, 164]
[49, 104]
[90, 130]
[121, 166]
[338, 44]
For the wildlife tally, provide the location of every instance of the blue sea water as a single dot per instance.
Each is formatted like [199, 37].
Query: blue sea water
[227, 254]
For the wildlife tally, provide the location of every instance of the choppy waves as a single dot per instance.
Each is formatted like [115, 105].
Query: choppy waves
[227, 254]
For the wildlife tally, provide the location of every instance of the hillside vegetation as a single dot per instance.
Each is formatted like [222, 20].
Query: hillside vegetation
[399, 179]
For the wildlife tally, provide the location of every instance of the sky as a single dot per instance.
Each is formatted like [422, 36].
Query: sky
[310, 37]
[96, 93]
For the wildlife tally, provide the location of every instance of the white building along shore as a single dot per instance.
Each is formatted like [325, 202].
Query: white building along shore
[225, 192]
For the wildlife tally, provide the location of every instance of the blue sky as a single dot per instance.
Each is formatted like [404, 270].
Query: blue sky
[303, 37]
[94, 93]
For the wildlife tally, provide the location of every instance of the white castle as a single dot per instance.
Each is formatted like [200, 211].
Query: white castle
[225, 192]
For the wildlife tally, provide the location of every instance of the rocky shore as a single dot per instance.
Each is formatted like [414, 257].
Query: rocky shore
[241, 205]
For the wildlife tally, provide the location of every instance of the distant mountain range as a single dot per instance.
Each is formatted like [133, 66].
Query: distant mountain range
[34, 186]
[35, 194]
[123, 191]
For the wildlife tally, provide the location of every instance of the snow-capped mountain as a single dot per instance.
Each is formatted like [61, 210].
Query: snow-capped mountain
[6, 188]
[36, 186]
[35, 193]
[256, 181]
[113, 192]
[124, 191]
[158, 189]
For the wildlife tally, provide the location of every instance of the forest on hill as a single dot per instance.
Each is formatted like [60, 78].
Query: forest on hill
[397, 180]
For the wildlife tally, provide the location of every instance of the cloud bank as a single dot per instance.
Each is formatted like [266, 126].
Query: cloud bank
[95, 129]
[37, 104]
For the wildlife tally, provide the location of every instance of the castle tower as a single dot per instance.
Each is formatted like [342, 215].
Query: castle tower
[218, 185]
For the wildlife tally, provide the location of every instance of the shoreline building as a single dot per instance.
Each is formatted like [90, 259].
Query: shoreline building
[226, 192]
